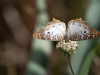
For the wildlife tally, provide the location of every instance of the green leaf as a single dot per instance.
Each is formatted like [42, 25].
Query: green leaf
[86, 64]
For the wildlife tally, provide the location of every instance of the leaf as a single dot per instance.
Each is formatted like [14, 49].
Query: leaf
[86, 64]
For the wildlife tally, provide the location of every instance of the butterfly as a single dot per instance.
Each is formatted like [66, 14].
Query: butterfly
[76, 30]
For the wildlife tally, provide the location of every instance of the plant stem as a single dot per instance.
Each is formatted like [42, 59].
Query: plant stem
[70, 64]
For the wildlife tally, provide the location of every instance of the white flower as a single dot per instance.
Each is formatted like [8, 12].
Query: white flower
[67, 47]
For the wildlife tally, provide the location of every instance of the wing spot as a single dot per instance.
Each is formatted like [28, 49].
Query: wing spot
[48, 32]
[79, 25]
[73, 43]
[76, 37]
[84, 31]
[81, 31]
[53, 26]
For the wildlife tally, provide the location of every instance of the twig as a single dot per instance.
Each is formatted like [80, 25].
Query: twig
[70, 64]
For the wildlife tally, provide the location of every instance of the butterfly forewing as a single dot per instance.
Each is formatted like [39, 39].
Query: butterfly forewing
[80, 30]
[54, 30]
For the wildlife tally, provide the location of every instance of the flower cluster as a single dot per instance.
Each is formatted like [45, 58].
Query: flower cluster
[67, 47]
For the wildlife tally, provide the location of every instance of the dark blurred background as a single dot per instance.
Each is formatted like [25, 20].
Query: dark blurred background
[21, 54]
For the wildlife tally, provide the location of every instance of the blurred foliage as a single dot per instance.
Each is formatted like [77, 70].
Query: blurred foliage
[88, 58]
[18, 20]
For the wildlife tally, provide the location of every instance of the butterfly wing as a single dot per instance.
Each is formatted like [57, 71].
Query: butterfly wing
[79, 30]
[54, 30]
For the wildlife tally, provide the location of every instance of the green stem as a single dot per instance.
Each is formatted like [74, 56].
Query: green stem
[70, 64]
